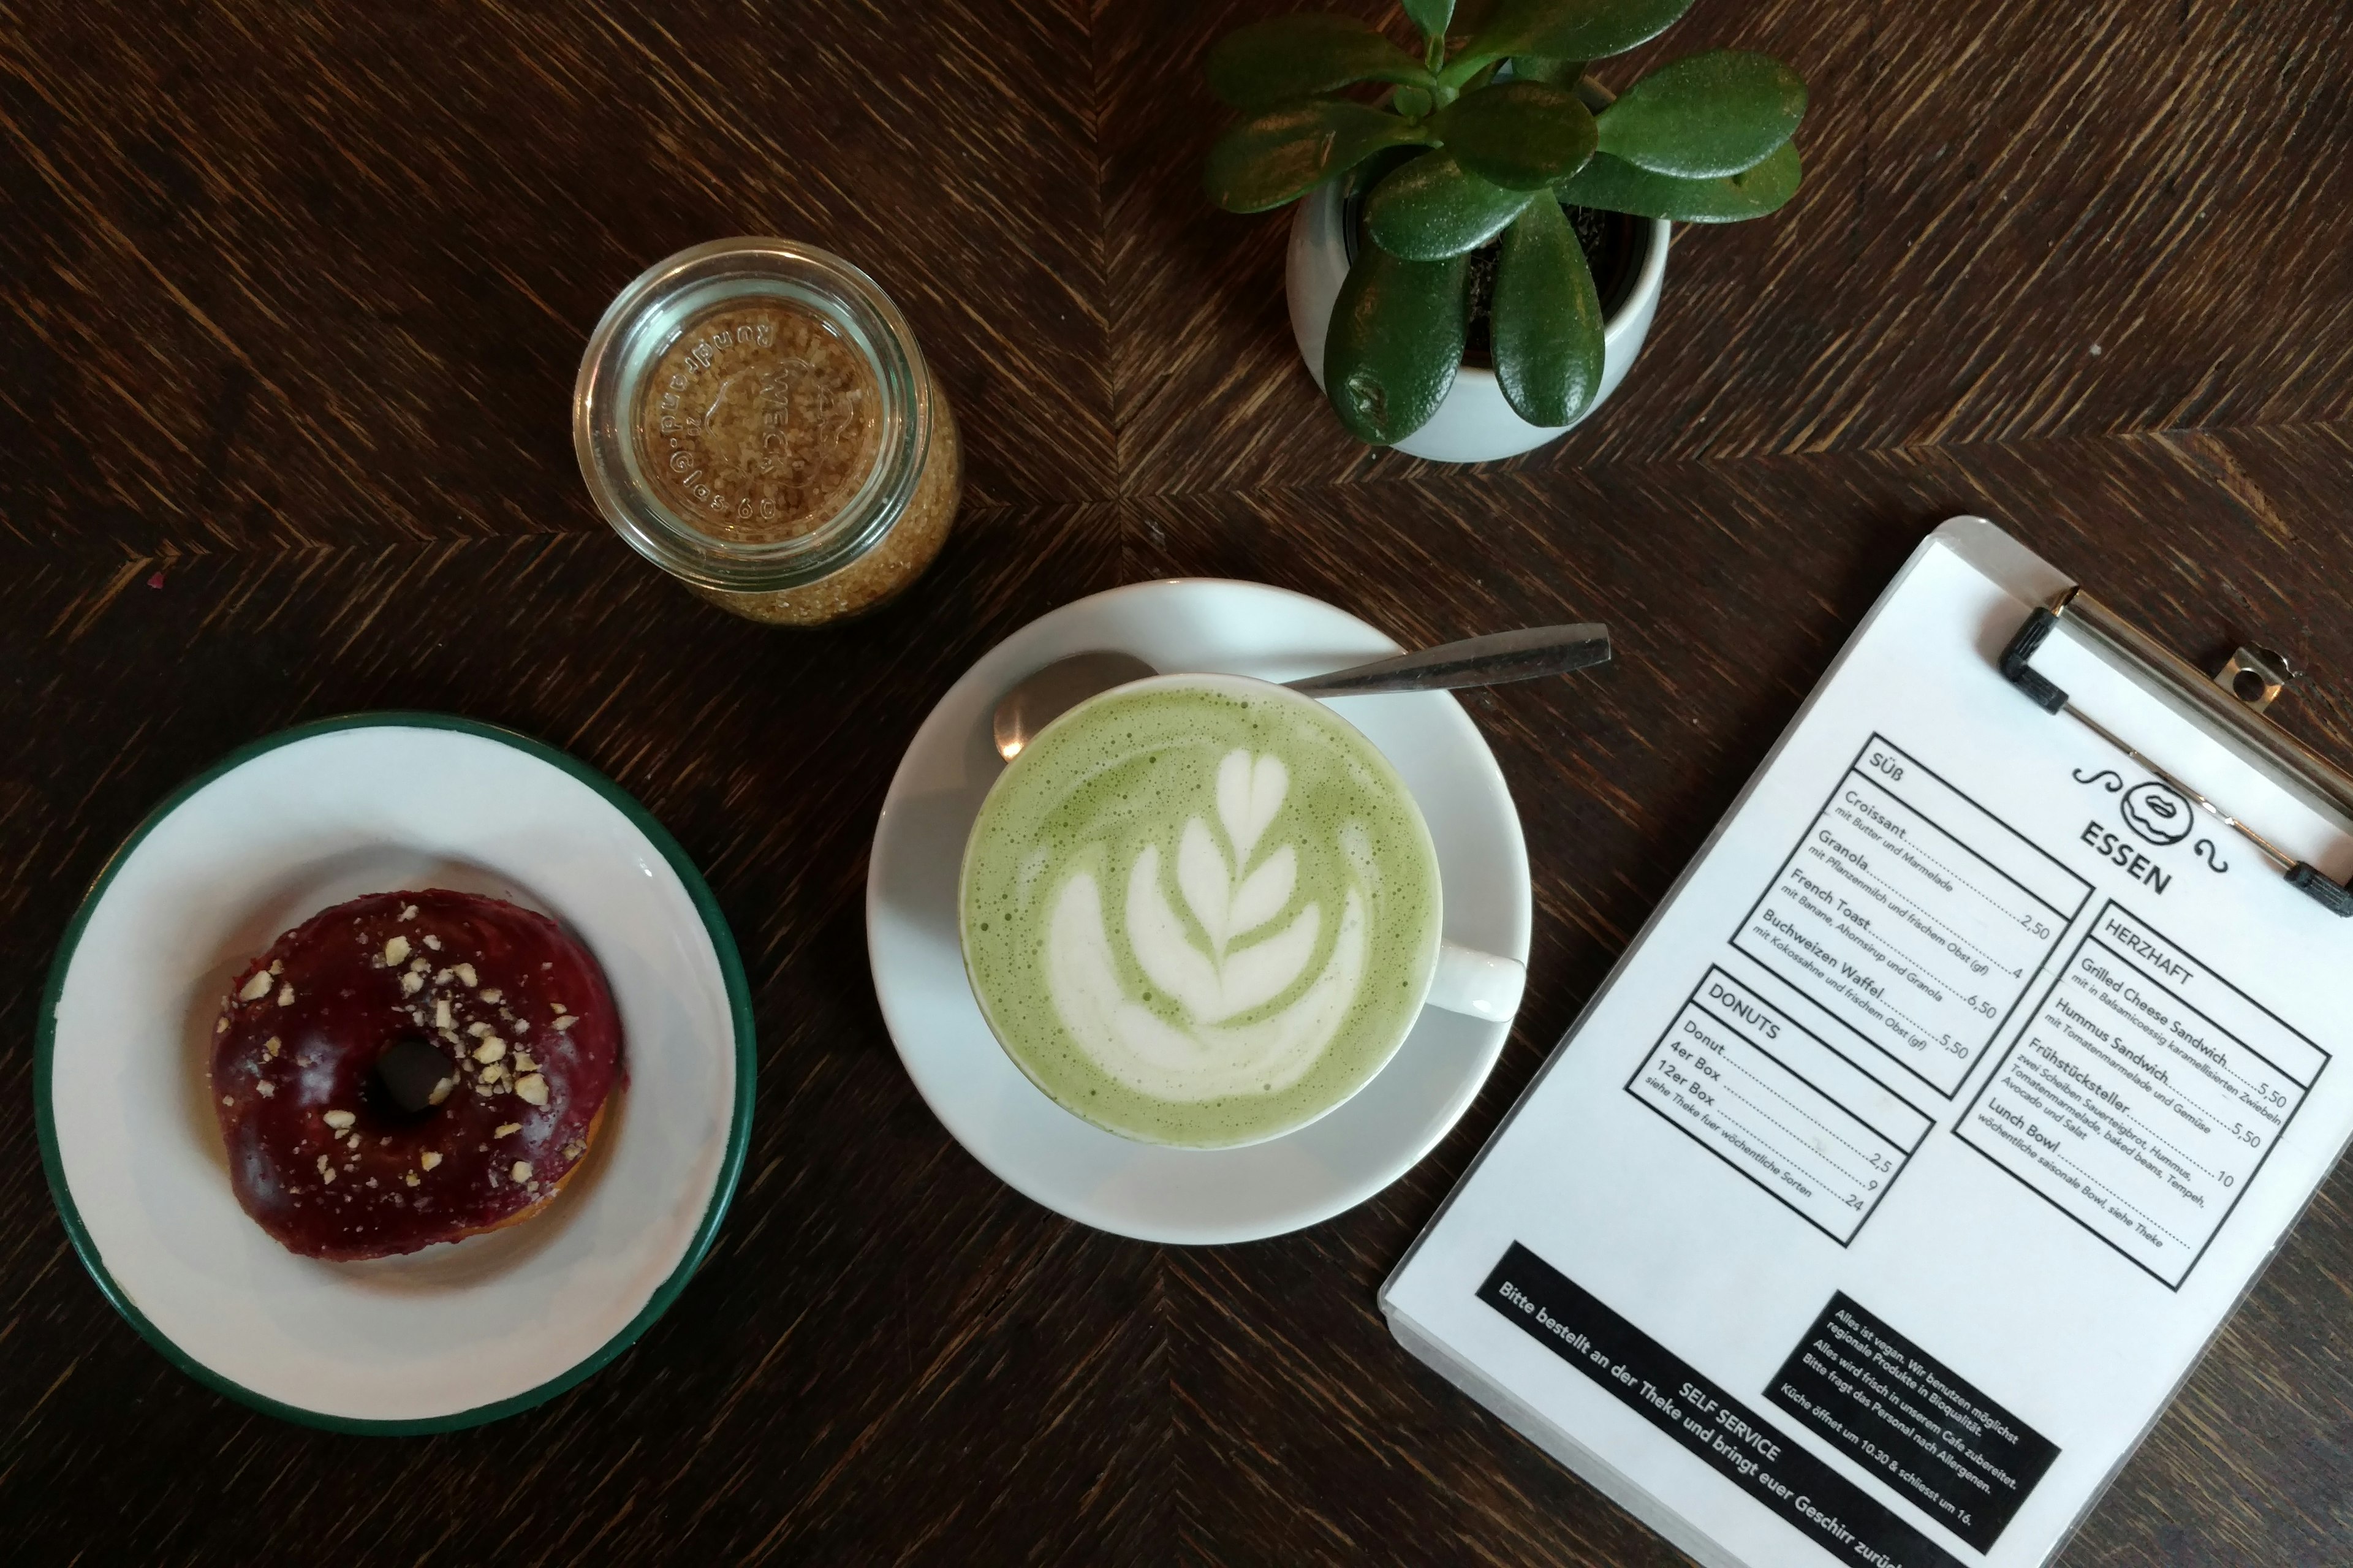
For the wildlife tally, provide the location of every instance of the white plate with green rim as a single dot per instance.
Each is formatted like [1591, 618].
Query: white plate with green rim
[456, 1334]
[1146, 1191]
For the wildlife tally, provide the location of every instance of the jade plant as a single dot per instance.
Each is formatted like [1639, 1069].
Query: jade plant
[1475, 216]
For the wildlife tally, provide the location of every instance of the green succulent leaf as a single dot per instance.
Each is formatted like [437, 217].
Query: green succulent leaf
[1617, 187]
[1566, 31]
[1432, 208]
[1546, 319]
[1705, 117]
[1288, 57]
[1413, 102]
[1430, 15]
[1538, 67]
[1396, 340]
[1522, 135]
[1285, 152]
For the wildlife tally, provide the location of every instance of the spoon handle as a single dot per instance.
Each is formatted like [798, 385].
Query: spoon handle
[1475, 661]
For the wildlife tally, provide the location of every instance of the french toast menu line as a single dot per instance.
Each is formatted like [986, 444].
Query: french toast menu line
[1912, 915]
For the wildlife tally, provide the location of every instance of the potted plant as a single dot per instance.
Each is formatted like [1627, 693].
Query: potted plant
[1459, 214]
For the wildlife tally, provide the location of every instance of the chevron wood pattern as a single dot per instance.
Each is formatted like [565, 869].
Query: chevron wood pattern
[290, 301]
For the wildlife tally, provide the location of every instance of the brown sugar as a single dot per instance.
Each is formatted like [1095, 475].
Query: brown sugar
[759, 422]
[876, 576]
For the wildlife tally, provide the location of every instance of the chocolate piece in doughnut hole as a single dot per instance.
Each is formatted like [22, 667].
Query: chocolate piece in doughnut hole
[408, 1068]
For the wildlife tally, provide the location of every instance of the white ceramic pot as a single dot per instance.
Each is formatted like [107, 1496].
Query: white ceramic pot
[1474, 422]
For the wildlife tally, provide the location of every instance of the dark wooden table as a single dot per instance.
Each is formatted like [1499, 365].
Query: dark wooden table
[290, 301]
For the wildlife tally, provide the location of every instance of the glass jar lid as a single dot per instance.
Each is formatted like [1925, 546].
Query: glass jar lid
[626, 354]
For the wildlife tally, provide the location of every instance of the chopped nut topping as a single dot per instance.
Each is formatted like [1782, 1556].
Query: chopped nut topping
[522, 1172]
[490, 1049]
[524, 1063]
[265, 1090]
[466, 976]
[221, 1028]
[395, 950]
[408, 912]
[504, 1128]
[277, 967]
[443, 978]
[433, 942]
[331, 1175]
[441, 1091]
[338, 1120]
[227, 1101]
[490, 993]
[411, 984]
[441, 1014]
[522, 1028]
[565, 1022]
[532, 1090]
[410, 1177]
[419, 965]
[427, 1159]
[286, 996]
[255, 988]
[272, 1046]
[323, 1164]
[353, 1141]
[495, 1071]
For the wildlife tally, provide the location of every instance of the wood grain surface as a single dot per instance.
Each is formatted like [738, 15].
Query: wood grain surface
[291, 297]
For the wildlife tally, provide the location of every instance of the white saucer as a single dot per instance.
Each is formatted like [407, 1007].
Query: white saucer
[456, 1334]
[1099, 1178]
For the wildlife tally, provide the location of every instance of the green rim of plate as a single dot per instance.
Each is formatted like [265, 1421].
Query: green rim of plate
[739, 1131]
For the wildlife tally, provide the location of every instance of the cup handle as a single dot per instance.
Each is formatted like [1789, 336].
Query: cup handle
[1479, 983]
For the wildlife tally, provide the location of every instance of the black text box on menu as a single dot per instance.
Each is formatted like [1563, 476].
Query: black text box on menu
[1743, 1080]
[1912, 915]
[2143, 1094]
[1744, 1447]
[1926, 1430]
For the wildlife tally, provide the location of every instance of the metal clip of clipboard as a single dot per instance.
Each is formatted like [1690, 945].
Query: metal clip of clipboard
[2229, 705]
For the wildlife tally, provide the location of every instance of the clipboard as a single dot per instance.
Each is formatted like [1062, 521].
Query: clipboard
[1876, 1206]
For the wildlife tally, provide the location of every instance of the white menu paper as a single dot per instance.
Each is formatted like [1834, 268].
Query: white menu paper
[1912, 1155]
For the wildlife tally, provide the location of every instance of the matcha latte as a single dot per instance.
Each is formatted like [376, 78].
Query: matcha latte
[1200, 911]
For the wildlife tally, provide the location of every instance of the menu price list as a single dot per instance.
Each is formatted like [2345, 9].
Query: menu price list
[2143, 1095]
[1912, 915]
[1745, 1082]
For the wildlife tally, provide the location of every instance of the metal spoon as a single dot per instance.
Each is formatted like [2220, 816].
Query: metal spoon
[1040, 698]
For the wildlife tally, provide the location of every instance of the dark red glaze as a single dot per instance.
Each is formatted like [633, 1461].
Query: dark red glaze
[333, 1005]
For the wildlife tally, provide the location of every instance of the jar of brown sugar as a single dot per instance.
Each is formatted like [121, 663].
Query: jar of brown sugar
[755, 418]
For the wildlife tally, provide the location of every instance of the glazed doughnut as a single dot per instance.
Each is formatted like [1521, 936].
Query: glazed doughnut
[409, 1069]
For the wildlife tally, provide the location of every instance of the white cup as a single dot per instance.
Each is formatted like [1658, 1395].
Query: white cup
[1455, 978]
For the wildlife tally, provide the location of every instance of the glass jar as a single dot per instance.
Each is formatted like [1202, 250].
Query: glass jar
[753, 417]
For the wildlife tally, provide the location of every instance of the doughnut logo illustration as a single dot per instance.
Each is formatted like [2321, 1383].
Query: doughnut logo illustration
[2156, 812]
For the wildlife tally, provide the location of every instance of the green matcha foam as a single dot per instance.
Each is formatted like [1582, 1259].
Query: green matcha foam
[1200, 911]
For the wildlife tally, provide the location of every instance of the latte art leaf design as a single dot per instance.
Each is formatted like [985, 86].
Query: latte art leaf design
[1224, 971]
